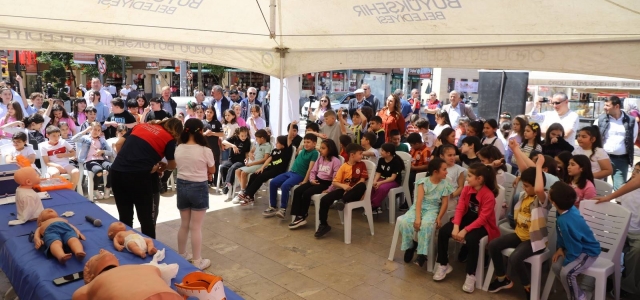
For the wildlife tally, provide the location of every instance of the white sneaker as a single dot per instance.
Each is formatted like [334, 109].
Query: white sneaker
[469, 284]
[97, 195]
[107, 192]
[202, 263]
[186, 256]
[441, 272]
[236, 200]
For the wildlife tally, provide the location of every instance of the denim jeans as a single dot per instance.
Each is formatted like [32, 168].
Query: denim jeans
[285, 182]
[620, 166]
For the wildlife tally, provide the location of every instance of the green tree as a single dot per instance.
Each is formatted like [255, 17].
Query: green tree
[59, 63]
[215, 70]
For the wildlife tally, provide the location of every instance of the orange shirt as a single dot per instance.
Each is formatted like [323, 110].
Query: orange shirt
[348, 174]
[421, 156]
[391, 122]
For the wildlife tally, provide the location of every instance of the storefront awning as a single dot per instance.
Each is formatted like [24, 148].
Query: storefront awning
[582, 81]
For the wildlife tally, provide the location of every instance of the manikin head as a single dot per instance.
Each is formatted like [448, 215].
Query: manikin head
[26, 176]
[98, 263]
[46, 215]
[115, 228]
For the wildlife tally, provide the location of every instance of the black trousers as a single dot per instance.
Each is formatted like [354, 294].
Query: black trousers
[516, 259]
[97, 166]
[302, 196]
[228, 171]
[165, 177]
[256, 180]
[155, 187]
[135, 190]
[472, 239]
[352, 195]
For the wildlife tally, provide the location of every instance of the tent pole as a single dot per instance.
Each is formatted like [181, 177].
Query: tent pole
[281, 91]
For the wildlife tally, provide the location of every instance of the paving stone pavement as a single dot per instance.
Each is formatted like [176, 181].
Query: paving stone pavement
[260, 258]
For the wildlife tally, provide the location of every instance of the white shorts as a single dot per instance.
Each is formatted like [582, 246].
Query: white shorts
[54, 171]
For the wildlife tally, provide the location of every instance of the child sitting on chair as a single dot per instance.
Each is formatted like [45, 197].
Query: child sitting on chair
[20, 144]
[578, 248]
[94, 150]
[257, 156]
[56, 153]
[530, 236]
[426, 213]
[349, 185]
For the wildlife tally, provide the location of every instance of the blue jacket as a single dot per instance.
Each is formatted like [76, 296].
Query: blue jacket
[575, 236]
[83, 142]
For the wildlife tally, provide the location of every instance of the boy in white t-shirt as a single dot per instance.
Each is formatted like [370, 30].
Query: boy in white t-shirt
[19, 142]
[56, 153]
[428, 137]
[259, 153]
[371, 154]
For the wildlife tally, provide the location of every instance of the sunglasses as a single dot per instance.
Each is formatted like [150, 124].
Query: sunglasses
[556, 103]
[252, 93]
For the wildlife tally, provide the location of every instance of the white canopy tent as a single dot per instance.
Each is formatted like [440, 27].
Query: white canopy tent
[287, 38]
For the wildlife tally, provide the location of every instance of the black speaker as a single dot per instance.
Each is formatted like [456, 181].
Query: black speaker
[500, 91]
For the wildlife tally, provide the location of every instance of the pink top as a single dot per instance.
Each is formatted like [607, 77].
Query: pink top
[95, 146]
[486, 210]
[241, 122]
[81, 117]
[72, 125]
[2, 122]
[589, 192]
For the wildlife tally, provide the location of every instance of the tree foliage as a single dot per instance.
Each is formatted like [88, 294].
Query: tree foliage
[215, 70]
[59, 63]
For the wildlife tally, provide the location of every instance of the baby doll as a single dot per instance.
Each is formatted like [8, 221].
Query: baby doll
[104, 278]
[130, 240]
[28, 203]
[57, 232]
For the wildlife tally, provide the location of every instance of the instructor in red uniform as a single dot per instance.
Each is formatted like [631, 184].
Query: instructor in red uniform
[135, 170]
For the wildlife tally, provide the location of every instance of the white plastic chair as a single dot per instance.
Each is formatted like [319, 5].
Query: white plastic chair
[509, 168]
[509, 190]
[4, 151]
[404, 189]
[609, 223]
[90, 176]
[603, 188]
[535, 261]
[347, 214]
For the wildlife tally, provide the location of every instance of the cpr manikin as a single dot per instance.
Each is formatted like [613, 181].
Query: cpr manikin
[54, 233]
[28, 203]
[105, 279]
[130, 240]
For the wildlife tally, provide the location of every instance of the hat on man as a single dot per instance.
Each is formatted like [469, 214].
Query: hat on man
[359, 91]
[233, 92]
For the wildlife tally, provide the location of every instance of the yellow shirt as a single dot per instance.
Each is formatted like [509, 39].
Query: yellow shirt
[523, 218]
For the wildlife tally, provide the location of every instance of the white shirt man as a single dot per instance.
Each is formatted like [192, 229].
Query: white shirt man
[561, 114]
[105, 97]
[456, 109]
[125, 91]
[614, 134]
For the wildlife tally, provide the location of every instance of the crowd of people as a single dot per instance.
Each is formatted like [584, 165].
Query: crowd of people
[139, 142]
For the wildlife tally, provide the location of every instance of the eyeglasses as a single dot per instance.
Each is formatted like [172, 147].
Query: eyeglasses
[556, 103]
[252, 93]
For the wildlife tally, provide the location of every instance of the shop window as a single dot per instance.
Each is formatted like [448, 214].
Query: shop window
[451, 85]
